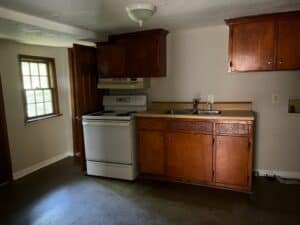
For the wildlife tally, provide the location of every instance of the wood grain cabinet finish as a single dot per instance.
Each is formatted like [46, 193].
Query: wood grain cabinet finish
[232, 160]
[138, 54]
[264, 43]
[151, 152]
[214, 153]
[288, 43]
[189, 156]
[111, 60]
[252, 46]
[190, 126]
[232, 128]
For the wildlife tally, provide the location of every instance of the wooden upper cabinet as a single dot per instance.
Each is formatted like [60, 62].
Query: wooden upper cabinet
[288, 43]
[264, 43]
[252, 46]
[139, 54]
[111, 60]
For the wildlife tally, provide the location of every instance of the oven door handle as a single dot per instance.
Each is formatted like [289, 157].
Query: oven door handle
[106, 123]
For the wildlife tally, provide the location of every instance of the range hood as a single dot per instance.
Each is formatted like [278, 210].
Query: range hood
[123, 83]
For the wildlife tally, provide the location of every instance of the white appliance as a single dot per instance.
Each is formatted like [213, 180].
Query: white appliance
[123, 83]
[109, 137]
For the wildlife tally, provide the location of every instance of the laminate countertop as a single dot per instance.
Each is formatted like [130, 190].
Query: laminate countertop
[225, 115]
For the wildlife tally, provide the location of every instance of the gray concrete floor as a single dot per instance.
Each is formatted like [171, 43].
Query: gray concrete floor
[61, 195]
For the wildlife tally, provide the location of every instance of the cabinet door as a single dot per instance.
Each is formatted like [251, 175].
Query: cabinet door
[232, 160]
[252, 46]
[111, 60]
[142, 57]
[189, 156]
[288, 56]
[151, 151]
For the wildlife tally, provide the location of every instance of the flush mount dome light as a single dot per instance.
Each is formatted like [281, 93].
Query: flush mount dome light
[140, 12]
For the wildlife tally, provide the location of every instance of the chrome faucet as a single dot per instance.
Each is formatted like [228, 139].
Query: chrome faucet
[196, 102]
[210, 106]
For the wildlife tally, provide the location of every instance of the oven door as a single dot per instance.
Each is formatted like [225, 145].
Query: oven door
[109, 141]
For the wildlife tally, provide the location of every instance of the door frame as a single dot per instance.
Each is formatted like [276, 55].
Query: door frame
[4, 136]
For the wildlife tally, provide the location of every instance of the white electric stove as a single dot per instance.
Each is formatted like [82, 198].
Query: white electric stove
[109, 137]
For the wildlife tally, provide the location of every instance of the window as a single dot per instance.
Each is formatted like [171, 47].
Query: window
[39, 87]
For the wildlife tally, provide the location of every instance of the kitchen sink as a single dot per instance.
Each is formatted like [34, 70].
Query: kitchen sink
[207, 112]
[192, 112]
[180, 112]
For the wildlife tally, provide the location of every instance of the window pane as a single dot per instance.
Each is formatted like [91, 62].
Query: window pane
[40, 109]
[31, 110]
[35, 82]
[34, 69]
[43, 69]
[39, 96]
[44, 82]
[26, 82]
[47, 95]
[25, 68]
[30, 97]
[48, 107]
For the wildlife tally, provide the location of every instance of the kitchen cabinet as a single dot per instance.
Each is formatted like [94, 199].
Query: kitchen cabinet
[151, 146]
[232, 159]
[209, 152]
[288, 43]
[111, 60]
[85, 97]
[138, 54]
[151, 152]
[264, 43]
[189, 156]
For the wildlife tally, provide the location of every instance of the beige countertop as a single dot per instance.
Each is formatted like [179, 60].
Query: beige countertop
[225, 115]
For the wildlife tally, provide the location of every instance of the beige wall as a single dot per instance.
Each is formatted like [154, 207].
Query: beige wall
[42, 140]
[197, 66]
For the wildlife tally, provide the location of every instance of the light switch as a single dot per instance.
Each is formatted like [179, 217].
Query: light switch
[275, 99]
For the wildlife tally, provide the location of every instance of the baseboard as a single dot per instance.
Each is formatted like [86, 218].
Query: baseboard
[21, 173]
[284, 174]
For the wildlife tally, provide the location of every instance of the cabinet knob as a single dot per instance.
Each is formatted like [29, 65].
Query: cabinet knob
[269, 62]
[280, 61]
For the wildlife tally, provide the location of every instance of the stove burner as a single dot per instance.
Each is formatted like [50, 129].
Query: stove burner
[126, 114]
[97, 114]
[101, 113]
[107, 111]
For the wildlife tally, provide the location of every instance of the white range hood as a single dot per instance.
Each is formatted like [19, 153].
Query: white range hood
[124, 83]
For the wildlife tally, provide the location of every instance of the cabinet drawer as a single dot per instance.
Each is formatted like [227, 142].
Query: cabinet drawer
[190, 126]
[151, 124]
[232, 128]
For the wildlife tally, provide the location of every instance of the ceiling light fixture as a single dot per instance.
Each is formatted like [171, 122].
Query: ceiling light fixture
[140, 12]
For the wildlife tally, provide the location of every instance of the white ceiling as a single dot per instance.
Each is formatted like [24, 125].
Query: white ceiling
[109, 16]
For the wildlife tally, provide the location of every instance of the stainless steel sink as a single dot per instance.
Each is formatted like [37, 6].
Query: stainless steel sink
[208, 112]
[192, 112]
[180, 112]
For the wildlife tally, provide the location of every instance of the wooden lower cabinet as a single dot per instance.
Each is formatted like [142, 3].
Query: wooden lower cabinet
[189, 156]
[232, 161]
[151, 152]
[214, 153]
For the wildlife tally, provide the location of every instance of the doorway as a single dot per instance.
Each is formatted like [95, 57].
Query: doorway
[5, 163]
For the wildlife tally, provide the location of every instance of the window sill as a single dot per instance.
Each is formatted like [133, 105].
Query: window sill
[42, 118]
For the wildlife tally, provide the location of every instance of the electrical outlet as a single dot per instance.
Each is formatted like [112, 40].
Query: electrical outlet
[275, 98]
